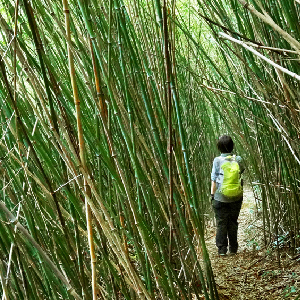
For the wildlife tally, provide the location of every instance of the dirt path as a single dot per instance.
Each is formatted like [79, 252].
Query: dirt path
[254, 272]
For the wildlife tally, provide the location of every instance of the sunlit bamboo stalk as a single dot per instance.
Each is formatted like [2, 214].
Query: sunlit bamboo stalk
[284, 70]
[81, 149]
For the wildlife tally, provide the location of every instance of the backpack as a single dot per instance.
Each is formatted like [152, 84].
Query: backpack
[231, 185]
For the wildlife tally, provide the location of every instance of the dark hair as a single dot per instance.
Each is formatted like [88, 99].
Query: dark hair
[225, 144]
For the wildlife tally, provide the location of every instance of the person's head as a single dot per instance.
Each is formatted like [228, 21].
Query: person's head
[225, 144]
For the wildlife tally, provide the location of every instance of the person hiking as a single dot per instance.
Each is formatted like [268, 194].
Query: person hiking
[227, 195]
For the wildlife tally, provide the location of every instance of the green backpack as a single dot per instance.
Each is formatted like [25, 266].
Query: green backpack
[231, 185]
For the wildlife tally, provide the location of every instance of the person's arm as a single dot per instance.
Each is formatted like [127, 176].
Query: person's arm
[213, 180]
[213, 187]
[241, 164]
[242, 168]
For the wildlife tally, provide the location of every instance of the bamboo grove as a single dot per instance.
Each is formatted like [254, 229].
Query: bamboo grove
[109, 115]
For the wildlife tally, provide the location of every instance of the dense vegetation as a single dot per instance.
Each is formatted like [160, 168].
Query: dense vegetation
[109, 115]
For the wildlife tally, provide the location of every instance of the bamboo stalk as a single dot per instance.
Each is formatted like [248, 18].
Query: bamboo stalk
[170, 130]
[271, 48]
[214, 89]
[81, 150]
[267, 19]
[284, 70]
[10, 254]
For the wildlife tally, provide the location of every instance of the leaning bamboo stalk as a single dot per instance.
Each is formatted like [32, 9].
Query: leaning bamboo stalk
[268, 20]
[81, 147]
[109, 40]
[271, 48]
[284, 70]
[15, 68]
[100, 94]
[10, 253]
[169, 108]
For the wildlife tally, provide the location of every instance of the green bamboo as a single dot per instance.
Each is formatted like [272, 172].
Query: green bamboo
[158, 86]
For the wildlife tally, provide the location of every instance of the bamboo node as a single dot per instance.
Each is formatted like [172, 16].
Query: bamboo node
[71, 290]
[14, 221]
[246, 5]
[67, 11]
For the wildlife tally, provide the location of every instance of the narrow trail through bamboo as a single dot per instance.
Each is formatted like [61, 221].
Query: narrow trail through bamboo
[157, 86]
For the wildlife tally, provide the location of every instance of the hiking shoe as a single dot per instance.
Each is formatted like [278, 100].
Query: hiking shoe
[222, 254]
[232, 253]
[222, 250]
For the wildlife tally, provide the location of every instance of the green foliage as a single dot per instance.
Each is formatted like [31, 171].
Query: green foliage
[217, 87]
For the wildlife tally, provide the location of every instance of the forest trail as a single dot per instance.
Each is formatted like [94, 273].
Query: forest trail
[254, 272]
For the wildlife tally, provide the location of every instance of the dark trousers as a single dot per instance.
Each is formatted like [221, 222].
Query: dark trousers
[227, 225]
